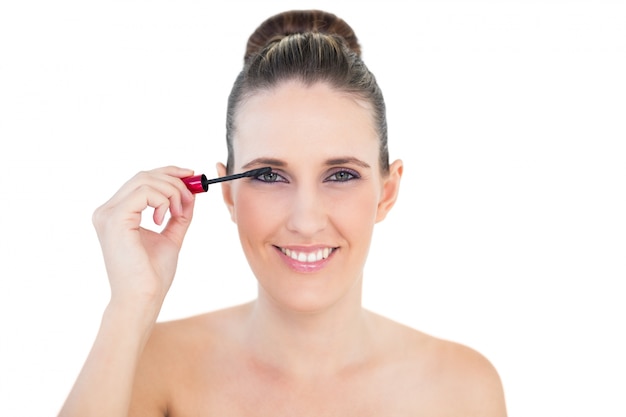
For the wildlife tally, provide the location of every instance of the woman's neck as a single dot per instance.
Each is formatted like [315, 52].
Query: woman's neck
[309, 344]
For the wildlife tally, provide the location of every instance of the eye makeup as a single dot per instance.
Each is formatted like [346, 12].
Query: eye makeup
[343, 175]
[200, 183]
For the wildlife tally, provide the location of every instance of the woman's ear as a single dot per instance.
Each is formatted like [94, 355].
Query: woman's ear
[391, 188]
[226, 191]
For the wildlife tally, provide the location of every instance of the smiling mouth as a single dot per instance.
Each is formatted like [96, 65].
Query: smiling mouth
[308, 257]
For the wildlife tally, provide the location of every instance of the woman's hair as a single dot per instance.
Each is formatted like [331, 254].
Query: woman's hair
[309, 46]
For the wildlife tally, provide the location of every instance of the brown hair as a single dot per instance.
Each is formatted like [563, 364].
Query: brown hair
[310, 46]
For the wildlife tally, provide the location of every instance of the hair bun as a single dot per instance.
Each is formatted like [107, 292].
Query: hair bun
[300, 21]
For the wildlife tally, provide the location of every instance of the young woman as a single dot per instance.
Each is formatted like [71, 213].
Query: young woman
[306, 106]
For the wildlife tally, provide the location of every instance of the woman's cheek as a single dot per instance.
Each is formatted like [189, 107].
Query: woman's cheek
[355, 205]
[259, 206]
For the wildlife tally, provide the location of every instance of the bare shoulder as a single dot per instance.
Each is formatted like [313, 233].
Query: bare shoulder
[201, 331]
[446, 375]
[180, 350]
[470, 377]
[201, 337]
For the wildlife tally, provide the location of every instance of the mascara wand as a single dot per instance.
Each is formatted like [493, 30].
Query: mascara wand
[200, 183]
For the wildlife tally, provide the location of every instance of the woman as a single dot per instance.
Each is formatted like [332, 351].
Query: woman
[305, 105]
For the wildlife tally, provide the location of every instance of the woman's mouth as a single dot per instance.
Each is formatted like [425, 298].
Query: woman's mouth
[306, 260]
[308, 256]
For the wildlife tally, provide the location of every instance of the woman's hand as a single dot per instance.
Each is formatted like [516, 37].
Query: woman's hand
[141, 263]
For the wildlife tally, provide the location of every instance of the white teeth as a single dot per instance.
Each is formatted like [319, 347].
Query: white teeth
[315, 256]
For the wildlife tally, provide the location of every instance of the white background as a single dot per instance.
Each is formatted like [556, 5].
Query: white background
[510, 231]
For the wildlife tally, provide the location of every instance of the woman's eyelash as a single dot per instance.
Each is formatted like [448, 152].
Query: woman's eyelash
[270, 177]
[339, 175]
[343, 175]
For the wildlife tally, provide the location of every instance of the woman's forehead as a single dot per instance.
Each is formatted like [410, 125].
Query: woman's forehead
[304, 117]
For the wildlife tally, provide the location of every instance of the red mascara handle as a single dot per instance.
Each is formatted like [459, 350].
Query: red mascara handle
[197, 183]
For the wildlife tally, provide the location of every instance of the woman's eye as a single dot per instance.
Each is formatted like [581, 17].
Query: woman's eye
[270, 177]
[343, 175]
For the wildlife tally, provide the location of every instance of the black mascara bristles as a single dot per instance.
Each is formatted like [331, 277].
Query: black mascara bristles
[251, 173]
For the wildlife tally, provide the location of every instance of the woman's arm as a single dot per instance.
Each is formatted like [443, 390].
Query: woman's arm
[140, 266]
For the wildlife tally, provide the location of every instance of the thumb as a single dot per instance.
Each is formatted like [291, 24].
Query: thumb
[177, 226]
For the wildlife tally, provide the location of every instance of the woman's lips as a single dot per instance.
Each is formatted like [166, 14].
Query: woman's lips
[309, 256]
[306, 259]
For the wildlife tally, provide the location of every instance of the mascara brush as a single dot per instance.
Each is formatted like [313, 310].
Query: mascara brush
[200, 183]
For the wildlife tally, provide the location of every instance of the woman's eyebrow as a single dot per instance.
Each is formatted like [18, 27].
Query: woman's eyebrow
[265, 161]
[347, 160]
[329, 162]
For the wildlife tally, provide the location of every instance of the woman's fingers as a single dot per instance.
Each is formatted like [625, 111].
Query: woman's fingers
[161, 189]
[158, 178]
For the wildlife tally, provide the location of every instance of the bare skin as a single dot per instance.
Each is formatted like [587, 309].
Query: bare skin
[203, 367]
[305, 346]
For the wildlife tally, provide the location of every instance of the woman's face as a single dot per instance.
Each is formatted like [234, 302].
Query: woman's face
[306, 227]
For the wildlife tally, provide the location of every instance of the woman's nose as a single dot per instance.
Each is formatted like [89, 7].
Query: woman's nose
[307, 214]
